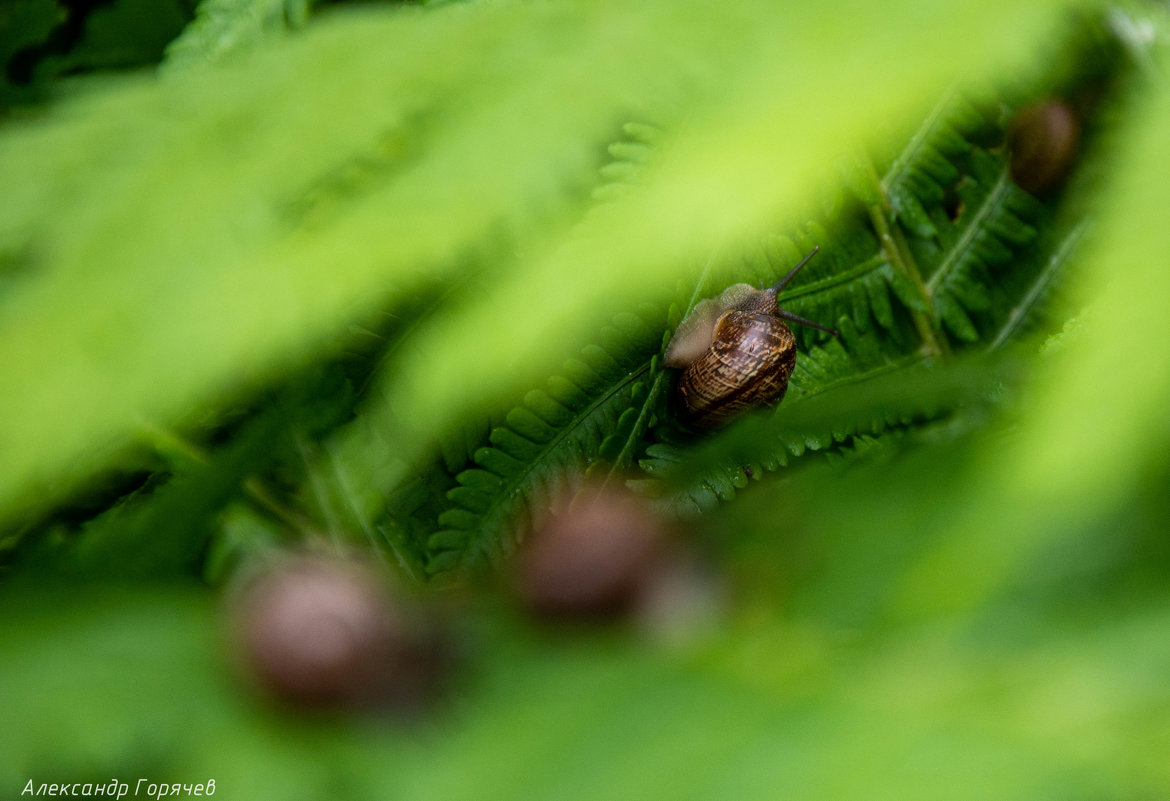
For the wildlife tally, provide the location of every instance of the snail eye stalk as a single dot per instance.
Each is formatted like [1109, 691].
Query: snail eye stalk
[783, 282]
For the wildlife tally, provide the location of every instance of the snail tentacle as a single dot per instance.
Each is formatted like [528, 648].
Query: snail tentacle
[796, 318]
[783, 282]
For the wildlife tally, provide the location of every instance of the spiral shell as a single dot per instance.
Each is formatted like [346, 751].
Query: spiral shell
[736, 353]
[748, 365]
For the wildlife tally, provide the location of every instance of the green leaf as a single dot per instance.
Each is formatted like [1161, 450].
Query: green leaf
[125, 33]
[957, 588]
[134, 250]
[24, 23]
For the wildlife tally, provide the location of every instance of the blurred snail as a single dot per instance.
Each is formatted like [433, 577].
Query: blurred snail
[605, 556]
[1043, 140]
[326, 632]
[735, 351]
[593, 560]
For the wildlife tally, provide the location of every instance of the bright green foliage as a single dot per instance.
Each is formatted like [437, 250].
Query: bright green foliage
[393, 279]
[222, 27]
[855, 286]
[232, 155]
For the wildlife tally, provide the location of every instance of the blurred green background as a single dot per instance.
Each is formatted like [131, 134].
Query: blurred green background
[277, 275]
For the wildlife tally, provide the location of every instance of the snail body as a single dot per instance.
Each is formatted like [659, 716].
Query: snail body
[736, 353]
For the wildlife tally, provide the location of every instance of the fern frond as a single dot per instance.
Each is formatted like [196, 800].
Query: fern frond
[854, 286]
[963, 259]
[1023, 313]
[855, 280]
[631, 157]
[992, 227]
[545, 442]
[419, 511]
[890, 397]
[924, 171]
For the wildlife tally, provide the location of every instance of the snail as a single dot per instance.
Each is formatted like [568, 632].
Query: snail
[735, 352]
[596, 560]
[1043, 140]
[326, 632]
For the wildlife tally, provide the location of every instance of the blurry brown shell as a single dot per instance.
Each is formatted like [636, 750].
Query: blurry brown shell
[326, 632]
[592, 559]
[1043, 141]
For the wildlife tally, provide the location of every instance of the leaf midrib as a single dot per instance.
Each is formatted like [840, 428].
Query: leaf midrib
[909, 153]
[975, 225]
[1043, 281]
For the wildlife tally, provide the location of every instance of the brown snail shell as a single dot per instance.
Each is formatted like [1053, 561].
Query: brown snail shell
[1043, 141]
[736, 353]
[594, 560]
[326, 632]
